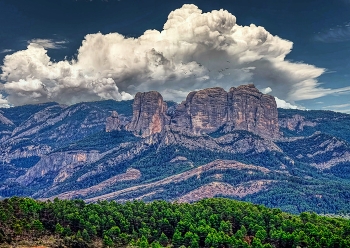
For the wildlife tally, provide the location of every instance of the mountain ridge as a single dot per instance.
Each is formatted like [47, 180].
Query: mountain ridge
[113, 146]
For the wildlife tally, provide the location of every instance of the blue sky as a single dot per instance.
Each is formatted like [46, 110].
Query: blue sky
[317, 31]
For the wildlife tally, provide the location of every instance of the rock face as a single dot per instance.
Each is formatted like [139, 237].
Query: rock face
[148, 114]
[203, 111]
[113, 122]
[61, 164]
[242, 108]
[253, 111]
[5, 121]
[296, 123]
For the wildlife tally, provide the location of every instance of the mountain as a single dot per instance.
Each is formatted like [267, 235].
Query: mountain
[233, 144]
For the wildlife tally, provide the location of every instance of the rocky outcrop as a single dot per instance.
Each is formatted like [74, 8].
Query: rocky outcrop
[234, 143]
[149, 114]
[129, 175]
[61, 164]
[221, 166]
[5, 121]
[242, 108]
[253, 111]
[296, 123]
[224, 189]
[203, 111]
[113, 122]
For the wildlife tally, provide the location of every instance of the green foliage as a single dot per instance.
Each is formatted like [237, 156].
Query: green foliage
[163, 239]
[207, 223]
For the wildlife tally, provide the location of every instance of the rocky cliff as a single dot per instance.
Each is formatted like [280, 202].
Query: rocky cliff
[148, 114]
[242, 108]
[296, 123]
[113, 122]
[203, 111]
[253, 111]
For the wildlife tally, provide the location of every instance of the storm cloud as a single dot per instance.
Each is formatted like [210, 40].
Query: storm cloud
[194, 50]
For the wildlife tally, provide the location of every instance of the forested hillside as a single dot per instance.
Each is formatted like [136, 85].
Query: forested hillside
[208, 223]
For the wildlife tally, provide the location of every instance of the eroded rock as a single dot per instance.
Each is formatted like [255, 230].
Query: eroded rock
[149, 114]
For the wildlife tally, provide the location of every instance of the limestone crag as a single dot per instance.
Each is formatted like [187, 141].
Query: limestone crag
[60, 164]
[253, 111]
[242, 108]
[203, 111]
[149, 114]
[296, 123]
[113, 122]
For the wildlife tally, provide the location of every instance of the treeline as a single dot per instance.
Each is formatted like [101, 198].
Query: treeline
[208, 223]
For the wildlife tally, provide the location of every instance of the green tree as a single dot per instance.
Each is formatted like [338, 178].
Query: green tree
[156, 244]
[86, 235]
[177, 239]
[257, 243]
[163, 239]
[261, 234]
[226, 227]
[59, 229]
[107, 241]
[142, 242]
[37, 225]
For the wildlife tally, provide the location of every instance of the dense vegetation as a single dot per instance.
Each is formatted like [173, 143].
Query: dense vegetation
[208, 223]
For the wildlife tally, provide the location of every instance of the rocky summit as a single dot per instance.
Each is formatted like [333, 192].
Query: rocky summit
[148, 114]
[253, 111]
[205, 111]
[215, 143]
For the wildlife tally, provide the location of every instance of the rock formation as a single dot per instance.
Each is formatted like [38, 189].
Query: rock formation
[149, 114]
[5, 121]
[296, 123]
[113, 122]
[203, 111]
[242, 108]
[252, 111]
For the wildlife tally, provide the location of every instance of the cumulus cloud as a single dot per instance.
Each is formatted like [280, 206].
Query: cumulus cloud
[281, 103]
[194, 50]
[286, 105]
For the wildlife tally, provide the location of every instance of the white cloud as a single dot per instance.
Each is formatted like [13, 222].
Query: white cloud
[47, 43]
[6, 51]
[266, 90]
[3, 102]
[194, 50]
[286, 105]
[344, 108]
[338, 106]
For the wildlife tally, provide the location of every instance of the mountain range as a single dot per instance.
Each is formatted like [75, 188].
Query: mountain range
[234, 144]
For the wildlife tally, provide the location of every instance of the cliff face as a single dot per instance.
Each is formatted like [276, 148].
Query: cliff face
[113, 122]
[203, 111]
[296, 123]
[148, 114]
[253, 111]
[242, 108]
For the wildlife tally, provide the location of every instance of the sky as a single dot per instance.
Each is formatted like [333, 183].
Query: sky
[70, 51]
